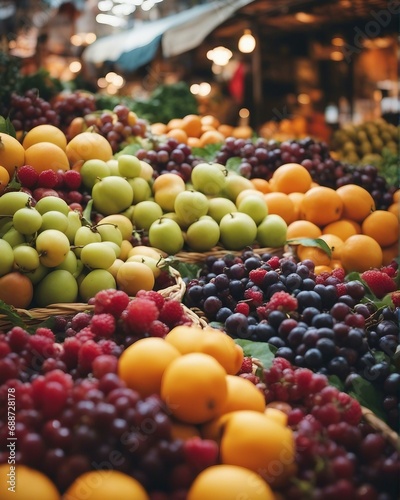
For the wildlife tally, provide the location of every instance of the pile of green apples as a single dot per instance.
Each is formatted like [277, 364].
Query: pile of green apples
[216, 208]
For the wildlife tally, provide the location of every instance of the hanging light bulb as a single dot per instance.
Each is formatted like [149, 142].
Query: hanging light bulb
[247, 42]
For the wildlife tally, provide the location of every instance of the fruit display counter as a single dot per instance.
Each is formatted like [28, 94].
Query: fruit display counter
[189, 311]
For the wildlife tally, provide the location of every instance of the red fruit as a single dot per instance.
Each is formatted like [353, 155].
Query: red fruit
[139, 315]
[171, 313]
[274, 262]
[156, 297]
[47, 179]
[158, 329]
[110, 301]
[72, 179]
[396, 298]
[242, 308]
[27, 176]
[103, 325]
[257, 275]
[255, 295]
[380, 283]
[201, 453]
[42, 192]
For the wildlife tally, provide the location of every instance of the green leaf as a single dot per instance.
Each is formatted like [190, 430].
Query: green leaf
[186, 269]
[12, 315]
[207, 152]
[87, 213]
[6, 127]
[336, 382]
[233, 164]
[311, 242]
[368, 395]
[261, 350]
[130, 149]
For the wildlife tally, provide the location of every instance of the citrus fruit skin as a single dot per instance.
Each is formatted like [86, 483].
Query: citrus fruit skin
[30, 484]
[105, 485]
[88, 146]
[46, 155]
[229, 482]
[45, 133]
[12, 153]
[383, 226]
[194, 388]
[357, 202]
[321, 205]
[360, 253]
[290, 178]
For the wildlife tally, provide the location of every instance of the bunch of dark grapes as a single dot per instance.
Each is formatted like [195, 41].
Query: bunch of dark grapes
[118, 126]
[260, 158]
[72, 105]
[339, 454]
[29, 110]
[316, 322]
[170, 156]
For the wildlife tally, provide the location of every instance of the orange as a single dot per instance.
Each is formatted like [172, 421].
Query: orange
[46, 155]
[243, 395]
[174, 123]
[394, 208]
[4, 179]
[390, 253]
[335, 244]
[229, 482]
[192, 125]
[12, 153]
[211, 137]
[383, 226]
[360, 253]
[185, 338]
[223, 348]
[45, 133]
[316, 254]
[210, 120]
[101, 484]
[261, 184]
[321, 205]
[303, 229]
[322, 269]
[88, 146]
[344, 228]
[281, 204]
[278, 415]
[253, 440]
[194, 388]
[194, 142]
[357, 202]
[396, 196]
[226, 130]
[158, 128]
[297, 198]
[178, 134]
[179, 430]
[29, 483]
[242, 132]
[142, 364]
[134, 276]
[16, 290]
[290, 178]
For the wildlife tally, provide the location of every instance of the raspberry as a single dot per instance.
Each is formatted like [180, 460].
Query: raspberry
[396, 298]
[27, 176]
[156, 297]
[274, 262]
[379, 282]
[247, 365]
[85, 334]
[72, 179]
[108, 346]
[242, 308]
[103, 325]
[69, 356]
[47, 179]
[282, 364]
[327, 414]
[17, 338]
[61, 377]
[303, 377]
[200, 453]
[352, 413]
[171, 313]
[158, 329]
[339, 273]
[88, 352]
[282, 301]
[322, 277]
[80, 320]
[139, 315]
[110, 301]
[45, 332]
[257, 275]
[255, 295]
[341, 289]
[42, 347]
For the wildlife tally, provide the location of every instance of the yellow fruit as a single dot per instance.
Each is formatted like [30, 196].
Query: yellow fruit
[223, 348]
[360, 253]
[4, 179]
[253, 440]
[303, 229]
[194, 388]
[291, 177]
[45, 133]
[229, 482]
[185, 338]
[88, 146]
[243, 395]
[343, 228]
[316, 254]
[389, 253]
[321, 205]
[134, 276]
[104, 485]
[46, 155]
[281, 204]
[334, 243]
[12, 153]
[19, 482]
[142, 364]
[357, 202]
[383, 226]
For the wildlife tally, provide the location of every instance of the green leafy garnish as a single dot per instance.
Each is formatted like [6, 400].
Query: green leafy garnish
[262, 351]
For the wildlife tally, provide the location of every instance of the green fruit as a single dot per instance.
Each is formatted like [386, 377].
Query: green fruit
[141, 189]
[7, 257]
[166, 235]
[95, 281]
[92, 171]
[238, 230]
[58, 286]
[52, 246]
[27, 220]
[129, 166]
[190, 206]
[12, 201]
[272, 231]
[220, 206]
[52, 203]
[255, 206]
[208, 178]
[203, 234]
[145, 213]
[112, 195]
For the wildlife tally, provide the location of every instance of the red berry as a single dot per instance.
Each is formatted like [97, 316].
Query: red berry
[257, 275]
[72, 179]
[380, 283]
[242, 308]
[156, 297]
[47, 179]
[27, 176]
[171, 313]
[103, 325]
[139, 315]
[110, 301]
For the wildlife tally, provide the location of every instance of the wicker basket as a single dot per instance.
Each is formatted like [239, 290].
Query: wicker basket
[35, 316]
[200, 257]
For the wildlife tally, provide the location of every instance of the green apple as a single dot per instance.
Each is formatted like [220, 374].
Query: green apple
[52, 246]
[98, 255]
[209, 178]
[7, 257]
[129, 166]
[14, 237]
[190, 206]
[93, 170]
[255, 206]
[70, 263]
[12, 201]
[141, 189]
[271, 232]
[58, 286]
[145, 213]
[238, 230]
[74, 223]
[113, 165]
[166, 235]
[109, 232]
[112, 195]
[220, 206]
[38, 274]
[203, 234]
[26, 258]
[53, 219]
[95, 281]
[52, 203]
[234, 184]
